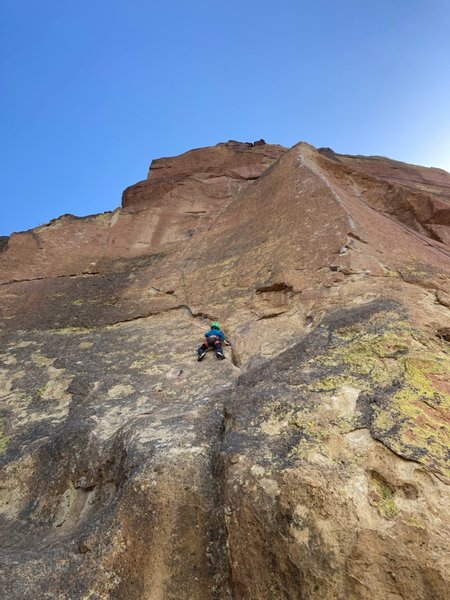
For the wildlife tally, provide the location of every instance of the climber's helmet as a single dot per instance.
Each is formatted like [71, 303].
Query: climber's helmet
[215, 325]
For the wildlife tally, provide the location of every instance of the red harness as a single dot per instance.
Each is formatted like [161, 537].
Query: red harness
[214, 339]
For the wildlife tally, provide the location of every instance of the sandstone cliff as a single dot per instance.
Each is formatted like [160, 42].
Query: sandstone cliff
[312, 464]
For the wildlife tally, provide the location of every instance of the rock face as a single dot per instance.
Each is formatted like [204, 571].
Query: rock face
[312, 464]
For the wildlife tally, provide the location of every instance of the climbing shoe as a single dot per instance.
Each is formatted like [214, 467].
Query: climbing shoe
[201, 356]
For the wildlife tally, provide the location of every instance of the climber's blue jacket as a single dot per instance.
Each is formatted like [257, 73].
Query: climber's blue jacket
[216, 332]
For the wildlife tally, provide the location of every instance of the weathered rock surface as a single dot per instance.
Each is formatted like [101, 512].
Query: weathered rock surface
[312, 464]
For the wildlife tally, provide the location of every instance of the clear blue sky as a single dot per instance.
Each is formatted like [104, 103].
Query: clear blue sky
[91, 91]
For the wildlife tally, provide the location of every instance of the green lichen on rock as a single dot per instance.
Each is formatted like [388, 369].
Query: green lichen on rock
[414, 521]
[361, 368]
[420, 408]
[414, 270]
[369, 358]
[386, 500]
[402, 374]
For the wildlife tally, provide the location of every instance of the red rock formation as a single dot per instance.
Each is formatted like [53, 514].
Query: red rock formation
[311, 464]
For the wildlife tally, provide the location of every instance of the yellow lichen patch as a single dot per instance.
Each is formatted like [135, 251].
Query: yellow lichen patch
[332, 383]
[41, 360]
[418, 371]
[420, 410]
[403, 374]
[314, 432]
[3, 439]
[370, 357]
[384, 420]
[311, 424]
[420, 378]
[414, 270]
[304, 421]
[385, 500]
[85, 345]
[120, 390]
[414, 521]
[308, 449]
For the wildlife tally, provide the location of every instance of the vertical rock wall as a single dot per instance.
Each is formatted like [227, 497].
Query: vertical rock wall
[312, 463]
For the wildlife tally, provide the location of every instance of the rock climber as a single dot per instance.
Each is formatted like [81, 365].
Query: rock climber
[214, 338]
